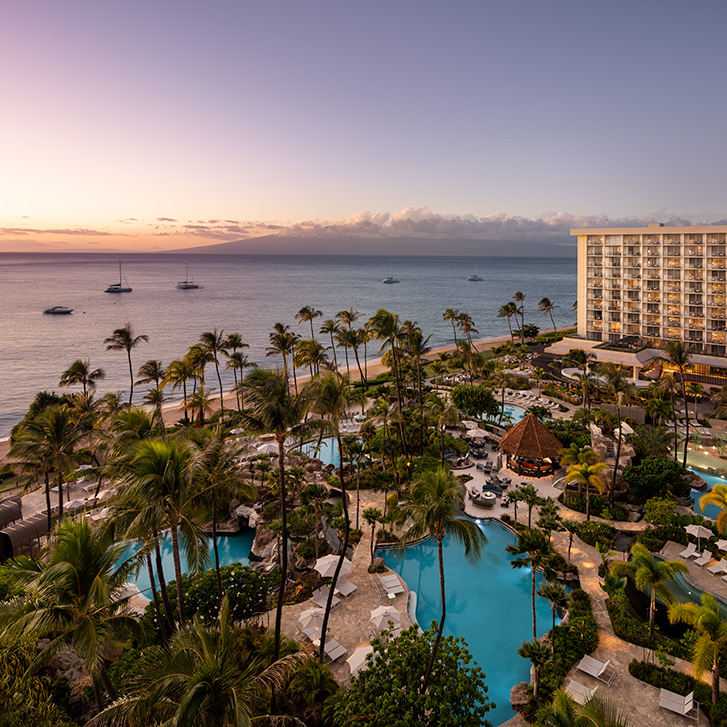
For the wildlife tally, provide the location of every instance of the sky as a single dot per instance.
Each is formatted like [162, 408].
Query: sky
[158, 125]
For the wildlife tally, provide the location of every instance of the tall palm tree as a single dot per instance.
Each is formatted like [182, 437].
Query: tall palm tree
[215, 344]
[668, 386]
[708, 622]
[179, 372]
[445, 414]
[123, 339]
[467, 326]
[162, 475]
[199, 404]
[416, 346]
[534, 552]
[506, 311]
[282, 343]
[236, 360]
[596, 712]
[198, 357]
[203, 677]
[539, 653]
[355, 452]
[314, 497]
[588, 475]
[354, 338]
[435, 496]
[152, 370]
[519, 300]
[311, 353]
[308, 314]
[331, 327]
[580, 359]
[555, 594]
[658, 410]
[372, 516]
[273, 409]
[68, 595]
[547, 306]
[452, 315]
[80, 372]
[677, 354]
[330, 398]
[649, 574]
[696, 391]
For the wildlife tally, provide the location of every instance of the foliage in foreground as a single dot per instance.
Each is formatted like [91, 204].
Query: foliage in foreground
[386, 692]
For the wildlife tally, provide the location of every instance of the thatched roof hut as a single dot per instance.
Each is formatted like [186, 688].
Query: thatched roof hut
[531, 449]
[11, 510]
[20, 537]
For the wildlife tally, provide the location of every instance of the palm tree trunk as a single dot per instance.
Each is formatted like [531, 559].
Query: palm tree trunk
[214, 548]
[421, 407]
[284, 546]
[60, 494]
[435, 648]
[552, 632]
[555, 330]
[612, 494]
[131, 376]
[509, 325]
[686, 423]
[108, 686]
[588, 501]
[334, 580]
[47, 502]
[163, 583]
[333, 348]
[358, 363]
[398, 396]
[155, 596]
[652, 613]
[178, 574]
[184, 391]
[373, 536]
[454, 330]
[532, 598]
[715, 677]
[358, 491]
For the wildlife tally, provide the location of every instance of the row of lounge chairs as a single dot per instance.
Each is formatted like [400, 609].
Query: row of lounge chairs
[387, 586]
[604, 672]
[701, 559]
[527, 397]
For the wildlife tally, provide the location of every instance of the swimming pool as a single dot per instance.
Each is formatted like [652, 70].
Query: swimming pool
[711, 511]
[326, 450]
[488, 603]
[231, 548]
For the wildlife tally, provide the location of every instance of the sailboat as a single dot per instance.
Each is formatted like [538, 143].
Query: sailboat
[186, 284]
[390, 279]
[122, 286]
[475, 278]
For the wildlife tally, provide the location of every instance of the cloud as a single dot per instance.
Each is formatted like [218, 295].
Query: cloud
[166, 219]
[51, 231]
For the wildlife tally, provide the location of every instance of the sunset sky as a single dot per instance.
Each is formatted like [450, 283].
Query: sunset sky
[159, 124]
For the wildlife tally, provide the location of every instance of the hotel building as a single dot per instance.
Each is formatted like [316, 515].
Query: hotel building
[639, 286]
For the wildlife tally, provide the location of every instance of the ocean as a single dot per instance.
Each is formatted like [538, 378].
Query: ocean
[246, 294]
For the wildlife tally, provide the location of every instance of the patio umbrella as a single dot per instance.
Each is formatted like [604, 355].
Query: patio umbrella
[699, 532]
[267, 448]
[358, 658]
[326, 566]
[722, 544]
[75, 504]
[383, 614]
[312, 618]
[474, 433]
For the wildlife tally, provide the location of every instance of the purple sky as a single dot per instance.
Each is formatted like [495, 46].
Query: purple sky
[238, 117]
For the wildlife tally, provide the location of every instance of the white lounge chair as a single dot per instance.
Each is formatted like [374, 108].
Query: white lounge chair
[703, 559]
[690, 552]
[603, 671]
[334, 650]
[392, 585]
[686, 706]
[719, 568]
[345, 588]
[579, 693]
[320, 597]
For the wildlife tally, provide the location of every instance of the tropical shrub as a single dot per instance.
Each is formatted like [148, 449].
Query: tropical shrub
[595, 532]
[655, 477]
[475, 400]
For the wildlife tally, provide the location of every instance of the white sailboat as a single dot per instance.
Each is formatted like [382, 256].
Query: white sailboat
[475, 278]
[186, 284]
[122, 286]
[390, 279]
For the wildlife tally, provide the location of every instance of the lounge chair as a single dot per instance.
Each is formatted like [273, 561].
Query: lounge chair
[391, 584]
[345, 588]
[686, 706]
[320, 597]
[703, 559]
[334, 650]
[720, 568]
[690, 552]
[603, 671]
[488, 467]
[579, 693]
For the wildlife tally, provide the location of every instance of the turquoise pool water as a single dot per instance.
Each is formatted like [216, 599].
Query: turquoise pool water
[326, 451]
[232, 549]
[711, 511]
[488, 603]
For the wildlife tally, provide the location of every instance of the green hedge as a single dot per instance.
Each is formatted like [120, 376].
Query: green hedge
[595, 532]
[680, 683]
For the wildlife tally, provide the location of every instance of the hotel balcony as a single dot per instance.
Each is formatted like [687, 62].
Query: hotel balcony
[717, 264]
[653, 298]
[717, 300]
[652, 320]
[632, 330]
[614, 327]
[673, 263]
[653, 332]
[717, 314]
[719, 288]
[717, 326]
[697, 275]
[715, 337]
[693, 287]
[694, 263]
[632, 295]
[713, 350]
[693, 251]
[693, 324]
[672, 322]
[633, 318]
[717, 251]
[674, 310]
[717, 275]
[673, 334]
[653, 308]
[654, 285]
[674, 298]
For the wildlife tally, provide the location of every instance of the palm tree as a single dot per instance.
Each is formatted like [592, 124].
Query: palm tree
[68, 595]
[372, 516]
[445, 414]
[272, 409]
[123, 339]
[198, 357]
[658, 410]
[55, 434]
[354, 338]
[216, 345]
[315, 496]
[435, 496]
[355, 453]
[547, 306]
[236, 360]
[203, 677]
[506, 311]
[649, 574]
[717, 496]
[452, 315]
[309, 314]
[588, 475]
[311, 353]
[467, 327]
[539, 653]
[678, 355]
[416, 347]
[596, 712]
[555, 594]
[580, 359]
[150, 371]
[199, 404]
[534, 551]
[621, 391]
[282, 343]
[720, 398]
[80, 372]
[708, 622]
[519, 300]
[539, 375]
[655, 441]
[529, 495]
[331, 327]
[696, 391]
[330, 398]
[179, 372]
[161, 474]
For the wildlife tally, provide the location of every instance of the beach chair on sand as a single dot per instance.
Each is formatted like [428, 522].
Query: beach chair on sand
[703, 559]
[689, 552]
[579, 693]
[603, 671]
[686, 706]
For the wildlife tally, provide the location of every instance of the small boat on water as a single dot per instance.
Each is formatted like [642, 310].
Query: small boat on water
[58, 310]
[390, 279]
[475, 278]
[122, 286]
[186, 284]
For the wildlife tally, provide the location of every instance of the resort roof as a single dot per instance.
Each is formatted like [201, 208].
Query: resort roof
[529, 438]
[15, 538]
[10, 510]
